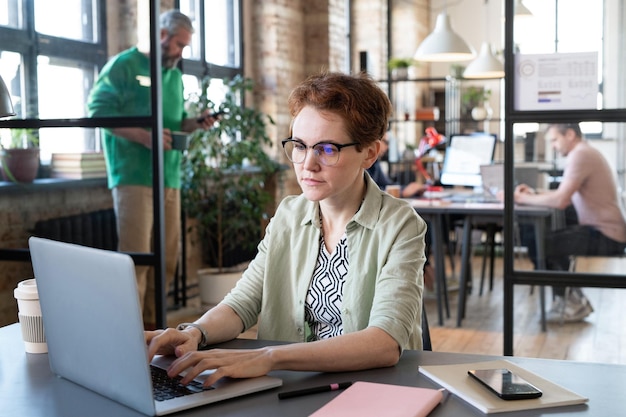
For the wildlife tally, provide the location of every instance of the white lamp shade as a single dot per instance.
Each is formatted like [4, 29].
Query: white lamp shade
[443, 44]
[6, 107]
[485, 66]
[521, 10]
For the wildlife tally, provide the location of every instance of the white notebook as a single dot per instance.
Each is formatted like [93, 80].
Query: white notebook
[456, 380]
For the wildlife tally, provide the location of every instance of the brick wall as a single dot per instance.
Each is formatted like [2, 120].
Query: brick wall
[286, 40]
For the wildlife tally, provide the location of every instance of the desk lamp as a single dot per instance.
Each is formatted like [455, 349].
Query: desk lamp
[6, 107]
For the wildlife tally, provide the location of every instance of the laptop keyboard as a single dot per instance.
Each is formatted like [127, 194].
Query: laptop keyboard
[166, 388]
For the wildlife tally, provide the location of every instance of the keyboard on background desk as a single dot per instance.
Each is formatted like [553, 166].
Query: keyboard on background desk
[471, 198]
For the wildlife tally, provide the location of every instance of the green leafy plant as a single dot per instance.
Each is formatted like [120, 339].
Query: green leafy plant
[394, 63]
[225, 170]
[456, 70]
[474, 96]
[22, 138]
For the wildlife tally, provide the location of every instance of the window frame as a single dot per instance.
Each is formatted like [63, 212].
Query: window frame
[31, 44]
[200, 68]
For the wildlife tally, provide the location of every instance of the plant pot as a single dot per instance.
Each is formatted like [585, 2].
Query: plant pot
[215, 285]
[401, 73]
[19, 165]
[481, 113]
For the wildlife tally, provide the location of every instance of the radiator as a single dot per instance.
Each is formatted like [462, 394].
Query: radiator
[96, 229]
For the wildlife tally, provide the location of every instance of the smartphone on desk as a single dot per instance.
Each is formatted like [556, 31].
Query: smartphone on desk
[505, 384]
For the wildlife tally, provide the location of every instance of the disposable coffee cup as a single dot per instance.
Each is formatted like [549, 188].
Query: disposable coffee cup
[393, 190]
[180, 140]
[29, 313]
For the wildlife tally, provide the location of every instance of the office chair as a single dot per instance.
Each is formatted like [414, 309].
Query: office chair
[427, 345]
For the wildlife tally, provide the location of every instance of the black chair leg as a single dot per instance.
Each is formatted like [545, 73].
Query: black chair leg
[489, 250]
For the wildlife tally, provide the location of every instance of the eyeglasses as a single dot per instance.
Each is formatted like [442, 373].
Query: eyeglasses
[326, 152]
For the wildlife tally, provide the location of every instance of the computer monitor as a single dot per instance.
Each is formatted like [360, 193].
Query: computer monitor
[464, 156]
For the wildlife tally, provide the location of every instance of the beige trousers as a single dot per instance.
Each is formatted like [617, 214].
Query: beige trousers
[134, 215]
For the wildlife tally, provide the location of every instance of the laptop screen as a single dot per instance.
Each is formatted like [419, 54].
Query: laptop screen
[464, 156]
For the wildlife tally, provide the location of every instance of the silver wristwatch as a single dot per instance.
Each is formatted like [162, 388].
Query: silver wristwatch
[204, 340]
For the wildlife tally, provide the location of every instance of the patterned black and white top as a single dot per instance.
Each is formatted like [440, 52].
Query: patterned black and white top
[325, 296]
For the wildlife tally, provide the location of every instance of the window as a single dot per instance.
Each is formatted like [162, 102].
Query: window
[216, 46]
[54, 82]
[563, 26]
[49, 65]
[77, 22]
[560, 26]
[11, 13]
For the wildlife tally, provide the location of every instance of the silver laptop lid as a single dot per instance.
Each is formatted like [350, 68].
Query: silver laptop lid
[94, 329]
[492, 176]
[92, 320]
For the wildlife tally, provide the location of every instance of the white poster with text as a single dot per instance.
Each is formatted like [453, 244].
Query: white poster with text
[562, 81]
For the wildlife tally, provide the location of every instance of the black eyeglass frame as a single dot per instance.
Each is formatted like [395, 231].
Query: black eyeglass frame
[339, 147]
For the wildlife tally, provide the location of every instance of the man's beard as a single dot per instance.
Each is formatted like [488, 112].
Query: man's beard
[167, 61]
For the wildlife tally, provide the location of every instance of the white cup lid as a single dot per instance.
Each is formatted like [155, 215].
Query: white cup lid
[26, 290]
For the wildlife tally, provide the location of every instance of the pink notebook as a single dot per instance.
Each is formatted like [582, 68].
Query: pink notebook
[369, 399]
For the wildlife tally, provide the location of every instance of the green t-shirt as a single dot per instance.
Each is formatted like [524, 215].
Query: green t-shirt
[123, 89]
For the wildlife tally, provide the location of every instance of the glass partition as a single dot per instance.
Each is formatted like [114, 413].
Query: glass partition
[562, 76]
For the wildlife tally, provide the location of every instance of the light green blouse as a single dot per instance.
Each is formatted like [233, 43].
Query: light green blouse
[383, 286]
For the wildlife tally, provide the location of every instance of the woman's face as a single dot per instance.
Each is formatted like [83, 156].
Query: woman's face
[336, 182]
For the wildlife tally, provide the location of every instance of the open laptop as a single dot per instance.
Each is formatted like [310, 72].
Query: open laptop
[463, 158]
[94, 329]
[493, 177]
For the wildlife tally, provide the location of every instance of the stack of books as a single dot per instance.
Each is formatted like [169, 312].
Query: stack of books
[78, 165]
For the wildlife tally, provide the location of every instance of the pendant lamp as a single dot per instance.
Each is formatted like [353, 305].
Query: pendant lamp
[521, 10]
[486, 65]
[443, 44]
[6, 107]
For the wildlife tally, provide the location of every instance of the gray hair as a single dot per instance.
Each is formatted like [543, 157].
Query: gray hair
[174, 20]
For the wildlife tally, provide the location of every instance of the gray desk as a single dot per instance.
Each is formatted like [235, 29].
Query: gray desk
[29, 389]
[472, 213]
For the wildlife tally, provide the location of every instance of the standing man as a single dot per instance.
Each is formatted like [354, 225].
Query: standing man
[123, 89]
[588, 183]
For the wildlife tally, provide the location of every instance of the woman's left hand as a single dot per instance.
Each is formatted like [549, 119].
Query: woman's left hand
[239, 363]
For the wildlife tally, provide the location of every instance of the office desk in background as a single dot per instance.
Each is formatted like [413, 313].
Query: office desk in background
[29, 389]
[475, 213]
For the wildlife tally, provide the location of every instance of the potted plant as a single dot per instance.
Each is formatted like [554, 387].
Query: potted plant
[475, 102]
[399, 67]
[20, 159]
[225, 175]
[457, 70]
